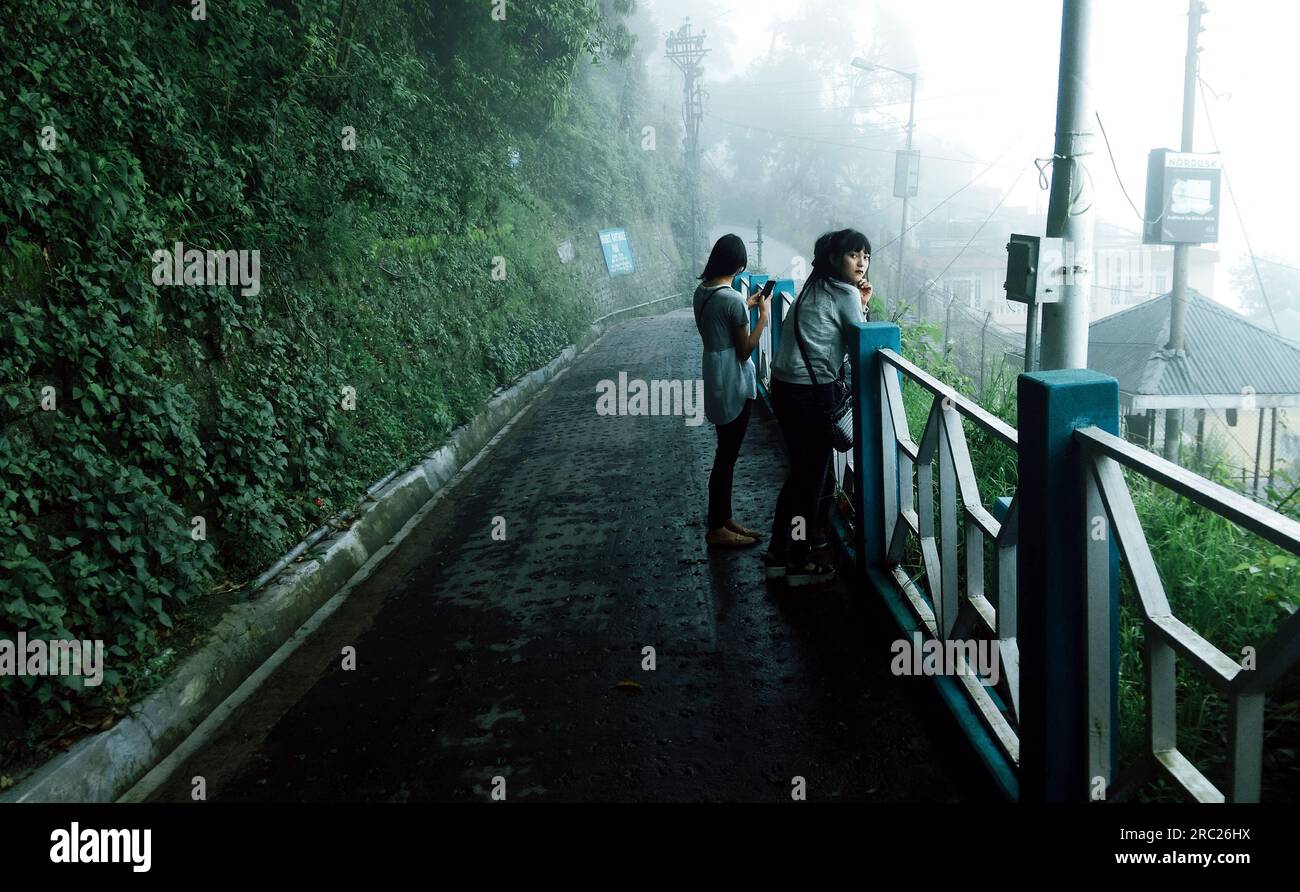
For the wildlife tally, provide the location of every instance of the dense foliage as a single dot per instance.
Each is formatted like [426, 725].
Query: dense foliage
[190, 433]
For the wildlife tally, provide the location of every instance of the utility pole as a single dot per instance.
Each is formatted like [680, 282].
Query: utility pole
[759, 242]
[902, 232]
[1178, 301]
[984, 333]
[1065, 323]
[687, 52]
[1272, 449]
[906, 191]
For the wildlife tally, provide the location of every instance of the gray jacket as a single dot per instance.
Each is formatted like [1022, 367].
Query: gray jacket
[824, 317]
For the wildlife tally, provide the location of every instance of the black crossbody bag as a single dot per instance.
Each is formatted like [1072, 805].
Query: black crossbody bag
[841, 418]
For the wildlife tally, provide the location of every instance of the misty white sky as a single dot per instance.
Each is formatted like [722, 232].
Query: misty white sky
[988, 81]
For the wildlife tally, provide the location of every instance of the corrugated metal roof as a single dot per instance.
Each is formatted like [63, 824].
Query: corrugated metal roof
[1225, 352]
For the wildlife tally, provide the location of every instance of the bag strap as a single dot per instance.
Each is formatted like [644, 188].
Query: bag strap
[842, 377]
[798, 337]
[704, 306]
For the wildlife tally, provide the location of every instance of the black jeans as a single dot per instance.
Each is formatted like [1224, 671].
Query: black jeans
[803, 411]
[730, 436]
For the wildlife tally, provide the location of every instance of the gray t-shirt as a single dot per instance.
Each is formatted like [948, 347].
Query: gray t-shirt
[824, 318]
[728, 382]
[725, 310]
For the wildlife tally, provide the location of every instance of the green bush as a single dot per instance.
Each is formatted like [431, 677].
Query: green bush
[173, 403]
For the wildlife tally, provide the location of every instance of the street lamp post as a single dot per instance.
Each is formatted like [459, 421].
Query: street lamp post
[859, 62]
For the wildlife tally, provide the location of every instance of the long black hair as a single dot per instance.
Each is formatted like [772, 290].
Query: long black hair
[828, 255]
[727, 257]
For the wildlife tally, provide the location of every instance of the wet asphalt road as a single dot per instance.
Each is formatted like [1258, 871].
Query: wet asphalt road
[479, 658]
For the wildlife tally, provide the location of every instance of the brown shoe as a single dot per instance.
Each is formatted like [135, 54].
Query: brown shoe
[725, 538]
[737, 528]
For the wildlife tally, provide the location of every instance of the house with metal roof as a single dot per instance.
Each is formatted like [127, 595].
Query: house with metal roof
[1229, 375]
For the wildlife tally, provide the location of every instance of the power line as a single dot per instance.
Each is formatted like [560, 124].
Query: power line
[762, 105]
[1237, 208]
[1119, 179]
[980, 229]
[955, 194]
[1278, 263]
[1130, 290]
[847, 145]
[939, 98]
[845, 79]
[997, 329]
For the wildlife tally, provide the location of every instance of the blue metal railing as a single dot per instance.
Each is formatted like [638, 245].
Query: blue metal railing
[783, 295]
[1046, 728]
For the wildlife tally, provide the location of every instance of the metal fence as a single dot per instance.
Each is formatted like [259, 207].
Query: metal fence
[1059, 570]
[1048, 602]
[1165, 636]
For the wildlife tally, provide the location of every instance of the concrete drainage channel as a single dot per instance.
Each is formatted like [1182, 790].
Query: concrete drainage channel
[132, 757]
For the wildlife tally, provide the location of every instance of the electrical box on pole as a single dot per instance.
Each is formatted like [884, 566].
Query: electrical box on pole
[907, 173]
[1035, 269]
[1035, 273]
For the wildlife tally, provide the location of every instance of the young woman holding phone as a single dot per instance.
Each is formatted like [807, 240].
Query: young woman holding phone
[730, 383]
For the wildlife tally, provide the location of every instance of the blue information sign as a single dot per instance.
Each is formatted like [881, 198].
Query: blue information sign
[618, 253]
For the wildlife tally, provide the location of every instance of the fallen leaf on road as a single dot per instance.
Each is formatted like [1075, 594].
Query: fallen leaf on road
[631, 686]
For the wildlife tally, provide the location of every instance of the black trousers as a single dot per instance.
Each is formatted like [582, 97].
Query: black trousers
[803, 411]
[730, 436]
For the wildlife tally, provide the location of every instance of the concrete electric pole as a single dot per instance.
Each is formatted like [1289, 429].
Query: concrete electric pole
[1065, 323]
[1178, 301]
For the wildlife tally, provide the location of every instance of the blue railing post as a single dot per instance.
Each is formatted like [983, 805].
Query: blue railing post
[869, 460]
[1001, 509]
[754, 282]
[1050, 578]
[774, 322]
[785, 286]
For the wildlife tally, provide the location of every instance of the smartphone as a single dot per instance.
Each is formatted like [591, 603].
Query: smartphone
[768, 286]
